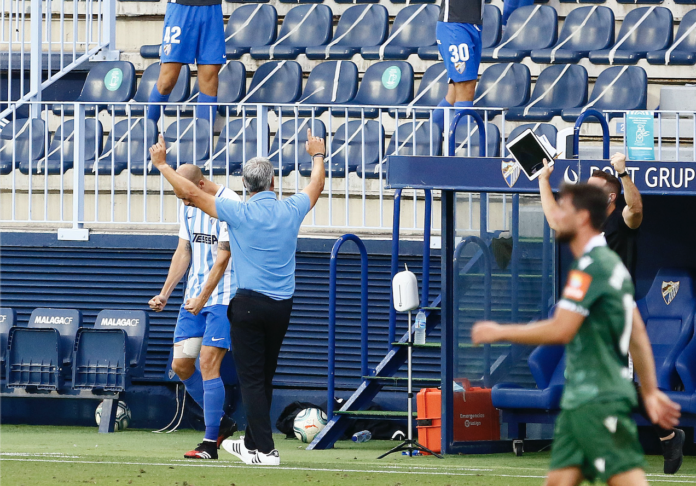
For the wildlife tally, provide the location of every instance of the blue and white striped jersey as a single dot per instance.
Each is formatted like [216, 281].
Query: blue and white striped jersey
[204, 233]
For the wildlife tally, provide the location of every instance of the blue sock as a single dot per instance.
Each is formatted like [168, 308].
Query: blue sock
[214, 392]
[206, 111]
[194, 387]
[153, 111]
[439, 115]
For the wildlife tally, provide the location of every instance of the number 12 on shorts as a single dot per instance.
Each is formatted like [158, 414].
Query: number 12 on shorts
[171, 35]
[460, 53]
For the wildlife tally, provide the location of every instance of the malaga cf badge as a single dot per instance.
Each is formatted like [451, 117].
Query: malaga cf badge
[511, 171]
[669, 291]
[167, 49]
[460, 67]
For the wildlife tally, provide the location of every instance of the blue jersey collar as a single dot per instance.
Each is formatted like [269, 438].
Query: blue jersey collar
[263, 195]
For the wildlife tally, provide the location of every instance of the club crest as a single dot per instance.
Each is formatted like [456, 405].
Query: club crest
[669, 291]
[460, 67]
[167, 49]
[511, 171]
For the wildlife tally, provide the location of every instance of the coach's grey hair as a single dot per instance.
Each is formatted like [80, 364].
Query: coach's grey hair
[258, 174]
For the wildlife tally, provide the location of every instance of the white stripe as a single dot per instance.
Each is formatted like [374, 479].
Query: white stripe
[120, 140]
[320, 88]
[246, 22]
[337, 39]
[350, 139]
[16, 134]
[679, 41]
[337, 75]
[500, 78]
[295, 29]
[403, 26]
[466, 140]
[553, 51]
[447, 9]
[513, 36]
[60, 146]
[424, 92]
[629, 33]
[263, 81]
[410, 136]
[231, 141]
[290, 140]
[605, 90]
[548, 90]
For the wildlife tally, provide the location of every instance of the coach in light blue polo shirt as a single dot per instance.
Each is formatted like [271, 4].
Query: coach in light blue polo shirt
[263, 240]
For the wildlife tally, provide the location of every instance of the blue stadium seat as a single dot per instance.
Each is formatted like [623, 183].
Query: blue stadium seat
[531, 27]
[546, 129]
[616, 88]
[273, 82]
[633, 2]
[503, 86]
[250, 26]
[330, 82]
[247, 1]
[683, 50]
[113, 352]
[187, 142]
[433, 89]
[234, 147]
[668, 312]
[557, 87]
[231, 84]
[61, 152]
[304, 26]
[386, 83]
[107, 82]
[8, 317]
[686, 368]
[301, 1]
[582, 1]
[413, 2]
[359, 26]
[294, 134]
[467, 135]
[577, 40]
[22, 141]
[179, 93]
[129, 139]
[426, 143]
[373, 136]
[637, 38]
[356, 1]
[404, 41]
[547, 364]
[490, 35]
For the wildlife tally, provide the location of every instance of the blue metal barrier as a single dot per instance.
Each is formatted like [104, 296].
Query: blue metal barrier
[332, 315]
[481, 126]
[605, 132]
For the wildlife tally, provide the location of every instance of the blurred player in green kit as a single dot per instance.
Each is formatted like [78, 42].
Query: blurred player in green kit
[597, 319]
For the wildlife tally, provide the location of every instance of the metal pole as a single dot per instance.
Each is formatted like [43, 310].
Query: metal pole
[35, 62]
[79, 168]
[410, 386]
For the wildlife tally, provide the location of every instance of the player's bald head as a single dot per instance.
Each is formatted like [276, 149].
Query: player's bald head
[191, 172]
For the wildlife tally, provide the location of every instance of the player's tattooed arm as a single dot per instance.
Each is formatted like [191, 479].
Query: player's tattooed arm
[177, 269]
[195, 304]
[224, 246]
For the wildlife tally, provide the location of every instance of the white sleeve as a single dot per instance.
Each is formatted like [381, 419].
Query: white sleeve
[224, 234]
[183, 229]
[224, 231]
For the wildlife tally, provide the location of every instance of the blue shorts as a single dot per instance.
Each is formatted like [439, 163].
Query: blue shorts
[460, 48]
[193, 34]
[211, 324]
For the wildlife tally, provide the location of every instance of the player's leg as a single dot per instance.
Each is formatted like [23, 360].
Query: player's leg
[634, 477]
[569, 476]
[179, 30]
[188, 337]
[209, 57]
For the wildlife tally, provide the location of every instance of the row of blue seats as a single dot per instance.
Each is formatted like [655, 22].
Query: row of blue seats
[531, 31]
[559, 91]
[670, 327]
[54, 346]
[630, 2]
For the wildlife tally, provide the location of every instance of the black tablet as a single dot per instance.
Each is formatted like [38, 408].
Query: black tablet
[530, 153]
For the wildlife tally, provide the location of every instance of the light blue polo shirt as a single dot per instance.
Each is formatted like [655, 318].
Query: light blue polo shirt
[263, 240]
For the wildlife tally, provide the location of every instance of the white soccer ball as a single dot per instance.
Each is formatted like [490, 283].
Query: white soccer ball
[123, 416]
[308, 423]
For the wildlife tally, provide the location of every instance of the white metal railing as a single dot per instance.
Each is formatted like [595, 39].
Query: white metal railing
[44, 40]
[40, 183]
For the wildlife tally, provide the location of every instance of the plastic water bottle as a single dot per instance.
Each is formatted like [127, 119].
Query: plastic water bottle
[419, 333]
[362, 436]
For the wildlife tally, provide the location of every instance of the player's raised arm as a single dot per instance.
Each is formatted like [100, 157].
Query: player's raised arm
[183, 188]
[315, 149]
[560, 329]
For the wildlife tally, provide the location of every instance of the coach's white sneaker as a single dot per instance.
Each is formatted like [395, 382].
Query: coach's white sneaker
[237, 448]
[270, 459]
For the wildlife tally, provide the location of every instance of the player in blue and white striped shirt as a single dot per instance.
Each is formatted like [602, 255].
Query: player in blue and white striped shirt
[202, 327]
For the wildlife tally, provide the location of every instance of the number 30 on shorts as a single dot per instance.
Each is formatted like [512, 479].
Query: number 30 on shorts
[171, 35]
[460, 53]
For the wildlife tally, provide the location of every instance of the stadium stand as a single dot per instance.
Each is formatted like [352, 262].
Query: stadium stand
[413, 28]
[466, 140]
[616, 88]
[187, 141]
[273, 82]
[21, 141]
[432, 89]
[359, 26]
[529, 28]
[8, 317]
[231, 84]
[304, 26]
[386, 83]
[643, 30]
[331, 82]
[556, 88]
[236, 144]
[294, 136]
[683, 50]
[180, 92]
[250, 26]
[585, 29]
[503, 85]
[128, 142]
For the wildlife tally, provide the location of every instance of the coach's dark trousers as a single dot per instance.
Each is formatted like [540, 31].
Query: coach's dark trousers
[257, 325]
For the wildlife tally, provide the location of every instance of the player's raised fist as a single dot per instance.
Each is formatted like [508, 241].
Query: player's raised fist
[485, 332]
[546, 172]
[158, 153]
[157, 303]
[618, 162]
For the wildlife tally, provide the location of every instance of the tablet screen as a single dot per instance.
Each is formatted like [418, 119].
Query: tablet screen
[529, 153]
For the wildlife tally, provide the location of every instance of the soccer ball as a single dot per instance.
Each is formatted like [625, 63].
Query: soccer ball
[123, 416]
[308, 423]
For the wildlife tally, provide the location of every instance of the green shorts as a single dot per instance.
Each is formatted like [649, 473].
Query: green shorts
[600, 438]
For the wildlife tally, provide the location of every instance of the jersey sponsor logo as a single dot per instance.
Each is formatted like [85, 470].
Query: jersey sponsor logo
[600, 464]
[216, 339]
[577, 286]
[511, 171]
[610, 423]
[205, 239]
[120, 322]
[669, 291]
[65, 321]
